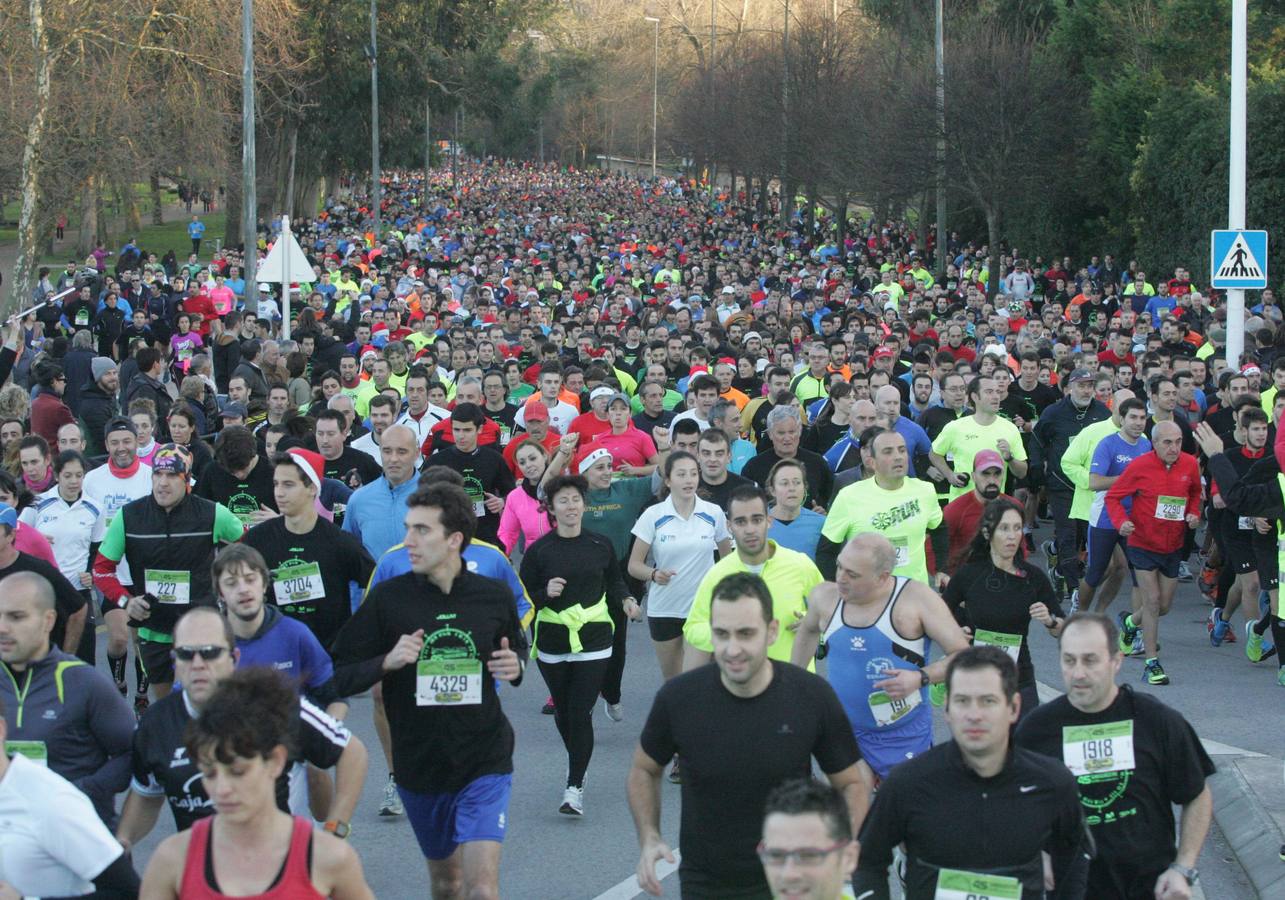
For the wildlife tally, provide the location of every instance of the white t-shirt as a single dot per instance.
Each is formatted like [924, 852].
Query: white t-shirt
[688, 414]
[110, 494]
[421, 426]
[560, 416]
[366, 444]
[52, 843]
[69, 528]
[685, 546]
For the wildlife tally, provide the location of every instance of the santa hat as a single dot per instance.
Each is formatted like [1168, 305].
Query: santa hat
[310, 462]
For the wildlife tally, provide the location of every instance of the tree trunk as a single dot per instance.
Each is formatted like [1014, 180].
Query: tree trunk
[158, 208]
[133, 213]
[88, 218]
[289, 207]
[992, 261]
[32, 159]
[840, 221]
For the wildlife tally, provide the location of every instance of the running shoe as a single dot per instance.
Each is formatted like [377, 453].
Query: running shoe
[1128, 632]
[1184, 573]
[1253, 644]
[1050, 553]
[1231, 635]
[1219, 629]
[1029, 539]
[392, 803]
[615, 711]
[1153, 673]
[675, 777]
[1280, 676]
[140, 705]
[572, 801]
[1208, 581]
[123, 688]
[547, 709]
[1138, 648]
[1073, 606]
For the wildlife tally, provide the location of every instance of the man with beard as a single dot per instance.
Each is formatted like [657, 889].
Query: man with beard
[963, 514]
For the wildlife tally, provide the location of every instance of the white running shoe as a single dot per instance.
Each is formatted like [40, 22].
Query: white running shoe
[392, 803]
[615, 711]
[572, 802]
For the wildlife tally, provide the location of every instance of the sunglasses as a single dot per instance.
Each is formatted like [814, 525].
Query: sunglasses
[208, 652]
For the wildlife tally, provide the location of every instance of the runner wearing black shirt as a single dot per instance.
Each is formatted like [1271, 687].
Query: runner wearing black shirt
[437, 638]
[239, 477]
[487, 477]
[1133, 758]
[314, 563]
[740, 728]
[975, 814]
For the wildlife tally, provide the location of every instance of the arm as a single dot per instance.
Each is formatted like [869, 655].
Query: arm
[508, 530]
[879, 834]
[940, 464]
[808, 633]
[75, 627]
[350, 776]
[112, 723]
[856, 783]
[939, 537]
[340, 867]
[638, 567]
[165, 868]
[138, 817]
[827, 557]
[1122, 487]
[697, 644]
[1101, 482]
[644, 805]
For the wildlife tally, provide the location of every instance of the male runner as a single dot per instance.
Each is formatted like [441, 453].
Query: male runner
[875, 630]
[962, 438]
[807, 849]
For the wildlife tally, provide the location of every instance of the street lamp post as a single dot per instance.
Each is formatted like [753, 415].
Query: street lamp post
[374, 120]
[655, 89]
[539, 38]
[1236, 173]
[249, 203]
[940, 42]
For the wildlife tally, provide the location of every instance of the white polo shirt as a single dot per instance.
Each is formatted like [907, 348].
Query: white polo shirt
[685, 546]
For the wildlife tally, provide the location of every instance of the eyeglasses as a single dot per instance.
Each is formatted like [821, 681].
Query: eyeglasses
[208, 652]
[803, 856]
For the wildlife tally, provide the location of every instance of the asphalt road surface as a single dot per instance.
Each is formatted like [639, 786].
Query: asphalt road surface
[1233, 705]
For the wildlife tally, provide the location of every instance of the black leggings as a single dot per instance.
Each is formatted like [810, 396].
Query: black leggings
[574, 687]
[615, 673]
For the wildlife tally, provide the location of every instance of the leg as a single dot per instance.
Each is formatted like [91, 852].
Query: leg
[1066, 536]
[447, 877]
[1114, 579]
[117, 645]
[1149, 588]
[321, 792]
[670, 656]
[611, 682]
[382, 731]
[481, 864]
[557, 680]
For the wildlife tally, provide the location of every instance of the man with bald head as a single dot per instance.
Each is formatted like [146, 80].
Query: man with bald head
[65, 713]
[918, 444]
[376, 511]
[846, 452]
[875, 631]
[1164, 487]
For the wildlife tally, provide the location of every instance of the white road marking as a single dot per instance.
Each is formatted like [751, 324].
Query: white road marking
[628, 889]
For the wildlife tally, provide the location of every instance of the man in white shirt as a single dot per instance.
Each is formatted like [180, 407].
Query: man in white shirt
[561, 413]
[420, 415]
[383, 413]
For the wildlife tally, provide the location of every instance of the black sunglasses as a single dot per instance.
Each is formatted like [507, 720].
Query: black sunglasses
[209, 653]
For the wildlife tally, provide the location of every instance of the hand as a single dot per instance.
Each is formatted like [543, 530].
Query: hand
[796, 619]
[900, 683]
[504, 663]
[9, 892]
[1040, 613]
[1020, 423]
[1171, 885]
[940, 580]
[494, 504]
[263, 514]
[567, 443]
[1262, 526]
[1192, 520]
[1219, 502]
[633, 609]
[1126, 529]
[1211, 444]
[137, 608]
[1004, 450]
[660, 434]
[631, 471]
[86, 580]
[935, 474]
[555, 587]
[652, 852]
[662, 576]
[956, 479]
[405, 651]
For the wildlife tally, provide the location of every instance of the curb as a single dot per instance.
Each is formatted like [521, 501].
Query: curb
[1252, 832]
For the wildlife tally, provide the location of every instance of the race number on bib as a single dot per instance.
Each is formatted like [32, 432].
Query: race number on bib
[1171, 509]
[448, 682]
[479, 508]
[298, 584]
[902, 546]
[952, 884]
[1245, 523]
[888, 711]
[169, 586]
[33, 750]
[1009, 643]
[1093, 749]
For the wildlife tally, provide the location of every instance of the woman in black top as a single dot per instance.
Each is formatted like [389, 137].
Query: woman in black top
[575, 586]
[997, 594]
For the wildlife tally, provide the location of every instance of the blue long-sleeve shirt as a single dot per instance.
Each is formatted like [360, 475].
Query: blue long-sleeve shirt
[480, 557]
[376, 514]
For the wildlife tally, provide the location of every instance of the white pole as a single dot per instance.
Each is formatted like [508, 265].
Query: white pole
[655, 88]
[1236, 187]
[285, 278]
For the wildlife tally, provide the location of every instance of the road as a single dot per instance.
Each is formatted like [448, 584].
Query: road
[547, 856]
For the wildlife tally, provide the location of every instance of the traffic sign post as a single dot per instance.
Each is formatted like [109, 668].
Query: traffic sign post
[1236, 174]
[1238, 260]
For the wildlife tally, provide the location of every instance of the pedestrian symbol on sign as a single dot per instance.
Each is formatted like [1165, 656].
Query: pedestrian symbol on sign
[1239, 263]
[1238, 259]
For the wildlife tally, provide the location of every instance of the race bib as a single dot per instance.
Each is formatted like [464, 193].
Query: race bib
[888, 711]
[953, 884]
[298, 584]
[1245, 523]
[1171, 509]
[448, 682]
[33, 750]
[82, 316]
[1093, 749]
[1009, 643]
[902, 546]
[170, 587]
[479, 508]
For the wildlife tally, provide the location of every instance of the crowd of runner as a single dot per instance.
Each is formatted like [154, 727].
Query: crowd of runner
[542, 403]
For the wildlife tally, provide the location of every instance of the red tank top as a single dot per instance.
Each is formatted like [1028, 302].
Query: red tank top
[294, 882]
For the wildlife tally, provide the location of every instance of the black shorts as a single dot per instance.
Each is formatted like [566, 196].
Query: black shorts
[1268, 561]
[158, 661]
[1239, 554]
[663, 628]
[1165, 564]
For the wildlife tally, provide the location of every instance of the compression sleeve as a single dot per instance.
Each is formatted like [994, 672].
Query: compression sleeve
[109, 555]
[940, 539]
[228, 528]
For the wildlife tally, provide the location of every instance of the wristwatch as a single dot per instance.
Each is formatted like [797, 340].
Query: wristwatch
[337, 828]
[1192, 875]
[923, 678]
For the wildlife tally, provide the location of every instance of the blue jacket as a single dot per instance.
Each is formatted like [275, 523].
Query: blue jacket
[480, 557]
[376, 514]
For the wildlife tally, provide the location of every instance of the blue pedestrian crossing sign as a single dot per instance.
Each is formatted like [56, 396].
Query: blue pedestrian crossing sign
[1238, 259]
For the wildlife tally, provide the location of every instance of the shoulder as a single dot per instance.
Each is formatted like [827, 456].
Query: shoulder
[1030, 764]
[168, 860]
[331, 858]
[1043, 719]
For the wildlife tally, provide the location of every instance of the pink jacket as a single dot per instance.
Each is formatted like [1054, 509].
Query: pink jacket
[30, 541]
[523, 515]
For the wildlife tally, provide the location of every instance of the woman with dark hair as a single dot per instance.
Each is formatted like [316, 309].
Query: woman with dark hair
[832, 418]
[575, 584]
[185, 430]
[327, 385]
[26, 538]
[300, 390]
[996, 594]
[64, 514]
